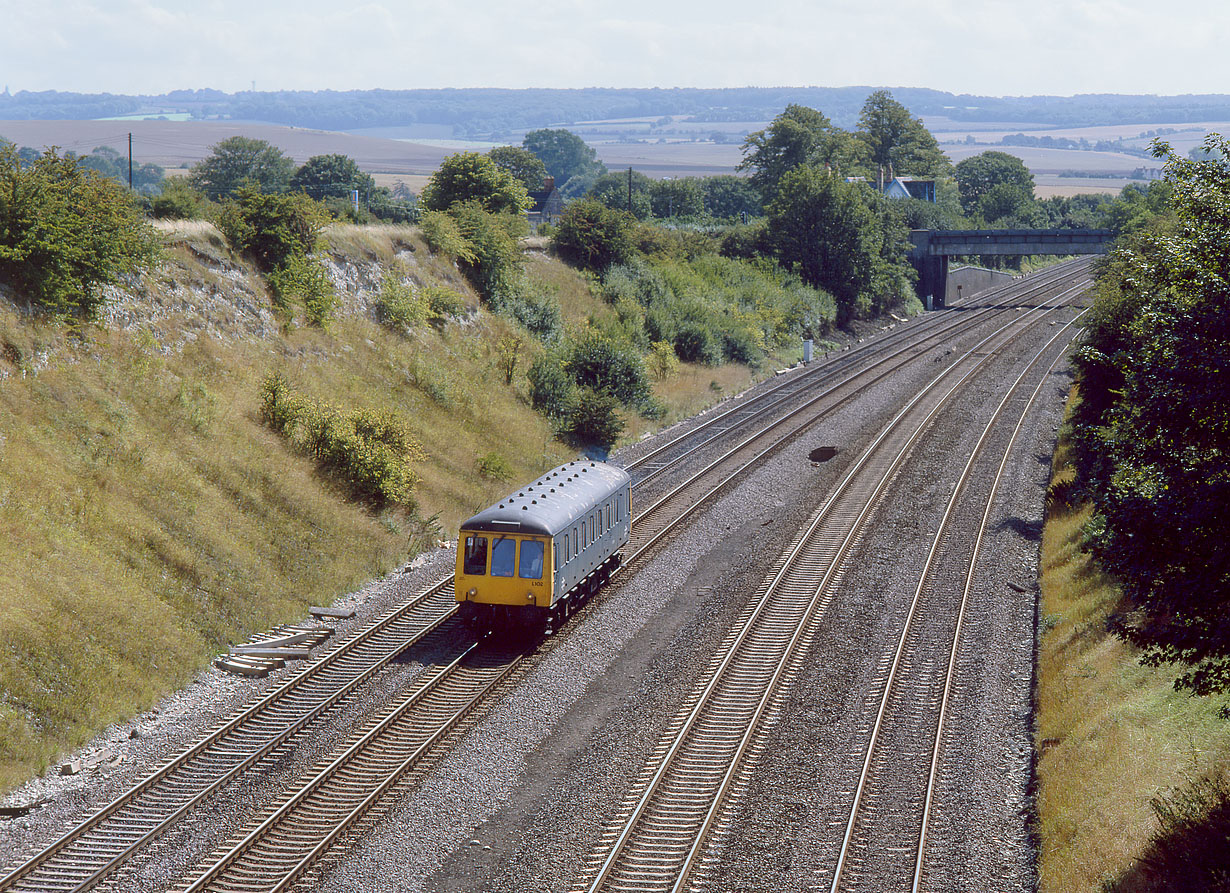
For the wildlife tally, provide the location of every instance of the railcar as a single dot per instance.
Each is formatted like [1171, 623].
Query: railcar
[532, 558]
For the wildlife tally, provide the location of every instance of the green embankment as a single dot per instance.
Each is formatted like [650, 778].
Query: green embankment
[1113, 736]
[149, 518]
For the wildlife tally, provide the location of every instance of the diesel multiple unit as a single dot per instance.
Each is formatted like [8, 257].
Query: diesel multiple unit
[529, 560]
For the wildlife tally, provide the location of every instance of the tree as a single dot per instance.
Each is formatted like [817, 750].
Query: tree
[65, 232]
[613, 191]
[474, 177]
[979, 174]
[272, 228]
[572, 162]
[898, 142]
[728, 197]
[332, 176]
[238, 160]
[593, 236]
[522, 164]
[681, 197]
[798, 136]
[822, 228]
[1154, 439]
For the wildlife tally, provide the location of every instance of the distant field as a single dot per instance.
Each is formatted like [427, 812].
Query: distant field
[173, 144]
[668, 150]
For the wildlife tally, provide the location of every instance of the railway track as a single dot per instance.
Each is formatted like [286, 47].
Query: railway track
[895, 788]
[96, 847]
[660, 839]
[287, 842]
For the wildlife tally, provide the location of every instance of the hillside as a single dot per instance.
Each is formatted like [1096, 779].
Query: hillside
[150, 518]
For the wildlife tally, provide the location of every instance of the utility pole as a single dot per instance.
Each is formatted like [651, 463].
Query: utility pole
[629, 189]
[130, 162]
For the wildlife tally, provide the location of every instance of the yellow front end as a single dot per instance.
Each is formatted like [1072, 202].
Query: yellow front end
[499, 569]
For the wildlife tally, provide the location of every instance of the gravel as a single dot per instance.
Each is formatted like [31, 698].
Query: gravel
[522, 797]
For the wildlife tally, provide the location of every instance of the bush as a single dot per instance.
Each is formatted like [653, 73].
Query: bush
[592, 420]
[444, 236]
[593, 236]
[662, 361]
[305, 280]
[550, 385]
[397, 305]
[272, 228]
[370, 451]
[495, 467]
[65, 232]
[539, 312]
[597, 362]
[443, 303]
[178, 201]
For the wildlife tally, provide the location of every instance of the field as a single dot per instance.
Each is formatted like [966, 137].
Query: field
[669, 147]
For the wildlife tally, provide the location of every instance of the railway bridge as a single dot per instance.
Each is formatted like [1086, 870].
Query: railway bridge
[932, 248]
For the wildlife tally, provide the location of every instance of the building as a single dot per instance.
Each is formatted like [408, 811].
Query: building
[548, 203]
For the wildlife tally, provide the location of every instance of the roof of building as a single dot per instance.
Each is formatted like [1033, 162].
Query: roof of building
[553, 502]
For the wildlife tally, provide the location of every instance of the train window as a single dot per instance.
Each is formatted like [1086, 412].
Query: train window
[530, 567]
[608, 515]
[475, 561]
[503, 557]
[556, 549]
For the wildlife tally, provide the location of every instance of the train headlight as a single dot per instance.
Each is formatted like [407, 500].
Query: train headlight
[473, 592]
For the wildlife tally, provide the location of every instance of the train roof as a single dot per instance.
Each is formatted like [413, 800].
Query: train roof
[552, 503]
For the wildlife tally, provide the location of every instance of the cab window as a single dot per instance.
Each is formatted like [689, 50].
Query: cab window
[475, 561]
[530, 567]
[503, 557]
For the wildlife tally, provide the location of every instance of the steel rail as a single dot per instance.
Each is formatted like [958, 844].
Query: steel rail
[932, 327]
[917, 599]
[334, 798]
[99, 870]
[956, 639]
[665, 761]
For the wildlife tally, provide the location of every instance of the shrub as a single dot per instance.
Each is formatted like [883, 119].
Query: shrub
[695, 343]
[495, 467]
[65, 232]
[593, 236]
[592, 420]
[272, 228]
[370, 451]
[662, 361]
[550, 385]
[495, 264]
[443, 303]
[539, 312]
[177, 201]
[305, 280]
[597, 362]
[397, 305]
[444, 236]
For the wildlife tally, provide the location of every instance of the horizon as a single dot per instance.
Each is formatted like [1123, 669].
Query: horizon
[996, 49]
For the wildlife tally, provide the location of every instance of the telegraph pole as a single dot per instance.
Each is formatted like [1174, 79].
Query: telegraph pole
[130, 162]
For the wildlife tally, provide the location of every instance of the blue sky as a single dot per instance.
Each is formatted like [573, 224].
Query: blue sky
[993, 47]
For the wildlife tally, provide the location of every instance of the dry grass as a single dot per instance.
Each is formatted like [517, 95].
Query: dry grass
[148, 517]
[1111, 734]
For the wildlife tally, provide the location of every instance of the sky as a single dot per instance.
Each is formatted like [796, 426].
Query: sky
[981, 47]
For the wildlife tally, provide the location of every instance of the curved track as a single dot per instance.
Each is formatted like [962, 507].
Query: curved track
[662, 834]
[96, 847]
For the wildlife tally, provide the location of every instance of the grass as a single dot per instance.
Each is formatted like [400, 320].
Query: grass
[149, 518]
[1112, 736]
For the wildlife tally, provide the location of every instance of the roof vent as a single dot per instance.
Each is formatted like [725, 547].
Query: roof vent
[525, 508]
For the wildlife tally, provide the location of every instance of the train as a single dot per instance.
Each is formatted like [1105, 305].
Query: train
[529, 561]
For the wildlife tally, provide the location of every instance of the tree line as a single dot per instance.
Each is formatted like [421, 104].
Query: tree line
[1151, 426]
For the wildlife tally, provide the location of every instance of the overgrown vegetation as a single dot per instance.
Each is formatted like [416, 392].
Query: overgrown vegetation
[1153, 429]
[1128, 796]
[371, 451]
[151, 517]
[65, 233]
